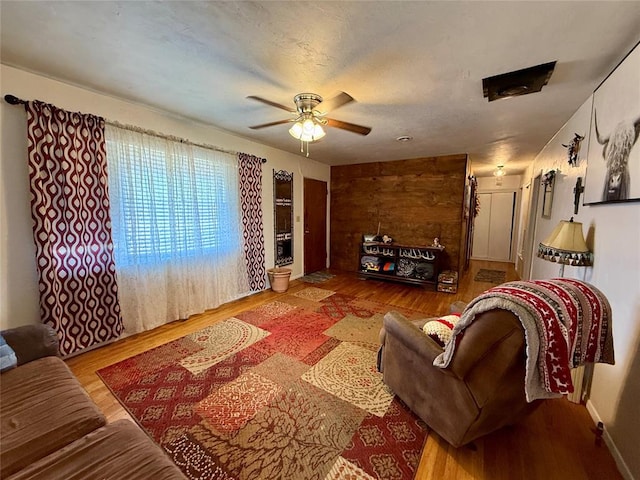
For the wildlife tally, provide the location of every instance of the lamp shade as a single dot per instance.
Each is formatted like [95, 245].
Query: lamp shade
[566, 245]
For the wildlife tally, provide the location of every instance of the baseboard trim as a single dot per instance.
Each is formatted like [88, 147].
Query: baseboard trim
[622, 466]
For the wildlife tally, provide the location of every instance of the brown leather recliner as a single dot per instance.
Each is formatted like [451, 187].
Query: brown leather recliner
[483, 388]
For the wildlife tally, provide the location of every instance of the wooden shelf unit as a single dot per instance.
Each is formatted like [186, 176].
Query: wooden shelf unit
[413, 264]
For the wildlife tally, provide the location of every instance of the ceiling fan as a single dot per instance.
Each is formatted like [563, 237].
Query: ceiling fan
[310, 116]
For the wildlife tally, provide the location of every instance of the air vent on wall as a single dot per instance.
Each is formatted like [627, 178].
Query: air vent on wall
[520, 82]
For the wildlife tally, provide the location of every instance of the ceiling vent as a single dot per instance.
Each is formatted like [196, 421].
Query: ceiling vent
[520, 82]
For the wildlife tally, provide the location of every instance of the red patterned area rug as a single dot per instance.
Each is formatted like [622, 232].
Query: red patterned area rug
[286, 390]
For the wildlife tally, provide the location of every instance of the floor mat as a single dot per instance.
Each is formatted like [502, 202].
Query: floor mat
[490, 276]
[317, 277]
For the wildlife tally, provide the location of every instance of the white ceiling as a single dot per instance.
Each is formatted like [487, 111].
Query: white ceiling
[415, 68]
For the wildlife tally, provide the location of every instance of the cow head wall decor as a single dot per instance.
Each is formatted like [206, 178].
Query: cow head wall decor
[573, 148]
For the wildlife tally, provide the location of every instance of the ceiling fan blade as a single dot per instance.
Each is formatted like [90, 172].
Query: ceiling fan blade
[352, 127]
[273, 104]
[332, 103]
[271, 124]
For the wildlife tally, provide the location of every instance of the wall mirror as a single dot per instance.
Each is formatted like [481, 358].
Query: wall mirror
[283, 217]
[548, 182]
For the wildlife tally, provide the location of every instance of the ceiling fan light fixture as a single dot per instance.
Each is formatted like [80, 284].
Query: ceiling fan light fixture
[308, 127]
[307, 131]
[296, 130]
[318, 132]
[310, 117]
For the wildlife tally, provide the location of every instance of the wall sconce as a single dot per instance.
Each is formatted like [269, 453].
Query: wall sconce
[566, 246]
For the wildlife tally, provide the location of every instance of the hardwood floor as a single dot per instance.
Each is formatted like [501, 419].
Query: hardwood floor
[555, 442]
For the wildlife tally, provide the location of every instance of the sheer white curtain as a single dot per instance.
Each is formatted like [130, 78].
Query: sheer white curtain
[177, 228]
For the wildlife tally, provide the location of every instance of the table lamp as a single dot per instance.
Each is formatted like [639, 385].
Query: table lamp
[566, 246]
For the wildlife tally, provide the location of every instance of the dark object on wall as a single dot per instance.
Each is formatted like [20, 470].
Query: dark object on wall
[573, 148]
[519, 82]
[471, 209]
[283, 217]
[613, 139]
[577, 191]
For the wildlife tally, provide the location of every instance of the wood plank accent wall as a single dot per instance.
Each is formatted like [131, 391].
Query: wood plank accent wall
[414, 200]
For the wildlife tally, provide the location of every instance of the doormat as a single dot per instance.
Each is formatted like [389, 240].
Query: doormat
[490, 276]
[278, 391]
[317, 277]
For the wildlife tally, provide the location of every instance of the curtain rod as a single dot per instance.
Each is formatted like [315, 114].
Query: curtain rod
[13, 100]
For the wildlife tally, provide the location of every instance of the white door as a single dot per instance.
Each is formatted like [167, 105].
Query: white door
[493, 232]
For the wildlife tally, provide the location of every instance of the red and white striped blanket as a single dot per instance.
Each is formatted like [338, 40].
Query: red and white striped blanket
[567, 323]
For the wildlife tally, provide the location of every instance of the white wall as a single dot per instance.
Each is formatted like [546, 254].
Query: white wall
[613, 235]
[18, 278]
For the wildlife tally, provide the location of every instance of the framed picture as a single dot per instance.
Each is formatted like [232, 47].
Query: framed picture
[613, 158]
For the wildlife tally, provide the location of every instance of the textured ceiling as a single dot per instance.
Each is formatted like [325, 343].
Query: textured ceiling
[415, 68]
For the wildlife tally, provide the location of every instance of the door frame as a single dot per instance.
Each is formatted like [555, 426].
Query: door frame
[532, 224]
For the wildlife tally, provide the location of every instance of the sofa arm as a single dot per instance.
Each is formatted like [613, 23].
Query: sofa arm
[410, 336]
[31, 342]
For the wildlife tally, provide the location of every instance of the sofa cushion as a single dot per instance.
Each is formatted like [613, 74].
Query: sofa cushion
[440, 329]
[31, 342]
[42, 408]
[8, 359]
[117, 451]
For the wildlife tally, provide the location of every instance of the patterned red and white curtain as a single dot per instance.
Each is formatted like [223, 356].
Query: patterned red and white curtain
[250, 168]
[72, 226]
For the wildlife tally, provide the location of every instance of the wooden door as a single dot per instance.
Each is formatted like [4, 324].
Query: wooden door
[315, 225]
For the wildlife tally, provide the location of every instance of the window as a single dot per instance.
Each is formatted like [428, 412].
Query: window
[171, 200]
